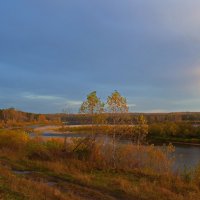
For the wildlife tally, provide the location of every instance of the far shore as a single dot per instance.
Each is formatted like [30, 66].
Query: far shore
[55, 129]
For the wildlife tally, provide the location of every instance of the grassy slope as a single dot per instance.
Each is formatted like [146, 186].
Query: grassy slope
[90, 185]
[82, 179]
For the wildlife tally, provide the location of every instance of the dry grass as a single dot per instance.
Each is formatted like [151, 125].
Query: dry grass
[141, 172]
[29, 189]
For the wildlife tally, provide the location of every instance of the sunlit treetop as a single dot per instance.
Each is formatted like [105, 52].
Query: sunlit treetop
[92, 105]
[117, 103]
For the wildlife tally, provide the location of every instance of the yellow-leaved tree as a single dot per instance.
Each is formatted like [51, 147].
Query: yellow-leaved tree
[92, 106]
[117, 107]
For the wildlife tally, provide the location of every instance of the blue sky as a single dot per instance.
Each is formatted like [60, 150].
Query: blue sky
[54, 52]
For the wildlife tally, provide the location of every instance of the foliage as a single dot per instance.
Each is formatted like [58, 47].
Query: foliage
[117, 103]
[13, 139]
[92, 105]
[180, 131]
[15, 118]
[140, 131]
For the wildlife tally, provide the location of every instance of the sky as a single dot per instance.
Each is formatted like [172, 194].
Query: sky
[54, 52]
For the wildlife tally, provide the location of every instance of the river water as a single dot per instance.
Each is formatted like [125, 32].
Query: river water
[186, 156]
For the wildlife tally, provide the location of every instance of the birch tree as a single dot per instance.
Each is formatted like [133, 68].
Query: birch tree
[117, 106]
[140, 131]
[92, 106]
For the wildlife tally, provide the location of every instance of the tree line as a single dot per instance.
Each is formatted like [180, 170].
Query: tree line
[12, 117]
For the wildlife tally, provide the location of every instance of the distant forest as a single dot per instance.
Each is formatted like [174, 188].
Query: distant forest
[193, 117]
[11, 115]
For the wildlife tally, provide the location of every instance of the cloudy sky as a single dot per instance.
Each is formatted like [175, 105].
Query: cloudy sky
[54, 52]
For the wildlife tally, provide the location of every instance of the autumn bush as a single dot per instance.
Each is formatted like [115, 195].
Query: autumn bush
[14, 140]
[37, 150]
[130, 157]
[97, 153]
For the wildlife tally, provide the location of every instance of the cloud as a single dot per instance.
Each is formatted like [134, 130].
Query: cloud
[46, 102]
[74, 103]
[41, 97]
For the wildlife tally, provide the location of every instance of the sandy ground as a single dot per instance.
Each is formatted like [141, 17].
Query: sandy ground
[48, 128]
[54, 128]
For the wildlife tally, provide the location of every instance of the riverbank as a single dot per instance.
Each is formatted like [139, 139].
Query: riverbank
[174, 140]
[47, 128]
[83, 129]
[36, 169]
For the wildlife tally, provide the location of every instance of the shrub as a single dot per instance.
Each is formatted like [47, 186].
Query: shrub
[37, 150]
[129, 157]
[13, 140]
